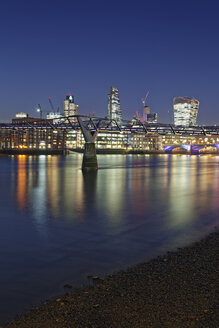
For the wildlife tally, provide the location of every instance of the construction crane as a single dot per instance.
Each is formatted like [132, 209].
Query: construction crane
[51, 104]
[143, 100]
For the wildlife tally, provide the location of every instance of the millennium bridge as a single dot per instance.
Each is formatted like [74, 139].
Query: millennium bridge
[137, 135]
[95, 123]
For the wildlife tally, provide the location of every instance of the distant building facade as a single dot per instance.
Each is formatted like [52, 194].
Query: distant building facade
[55, 116]
[152, 118]
[148, 116]
[185, 111]
[114, 110]
[21, 115]
[70, 107]
[37, 133]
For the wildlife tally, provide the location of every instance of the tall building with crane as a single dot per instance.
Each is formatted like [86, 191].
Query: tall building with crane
[146, 109]
[147, 115]
[70, 107]
[114, 110]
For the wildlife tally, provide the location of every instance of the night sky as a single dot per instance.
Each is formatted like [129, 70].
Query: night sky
[52, 48]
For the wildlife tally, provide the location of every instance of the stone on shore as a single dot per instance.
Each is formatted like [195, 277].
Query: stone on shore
[177, 290]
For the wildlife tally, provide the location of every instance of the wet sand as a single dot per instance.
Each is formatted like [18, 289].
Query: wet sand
[172, 291]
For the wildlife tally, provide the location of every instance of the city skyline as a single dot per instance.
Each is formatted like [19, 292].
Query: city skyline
[54, 48]
[69, 107]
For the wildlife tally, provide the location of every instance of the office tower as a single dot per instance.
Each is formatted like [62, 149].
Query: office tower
[148, 116]
[70, 107]
[185, 111]
[146, 110]
[114, 110]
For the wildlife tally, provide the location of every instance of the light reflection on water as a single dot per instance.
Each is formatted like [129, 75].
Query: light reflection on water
[57, 224]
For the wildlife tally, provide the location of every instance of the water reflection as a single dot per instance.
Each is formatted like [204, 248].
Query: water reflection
[110, 194]
[53, 186]
[184, 186]
[54, 218]
[21, 182]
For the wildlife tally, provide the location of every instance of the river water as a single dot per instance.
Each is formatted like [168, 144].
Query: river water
[57, 225]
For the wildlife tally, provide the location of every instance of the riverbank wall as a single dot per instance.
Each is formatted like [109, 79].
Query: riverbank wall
[100, 152]
[108, 151]
[33, 151]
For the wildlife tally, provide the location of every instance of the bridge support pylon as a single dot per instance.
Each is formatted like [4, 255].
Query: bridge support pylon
[89, 163]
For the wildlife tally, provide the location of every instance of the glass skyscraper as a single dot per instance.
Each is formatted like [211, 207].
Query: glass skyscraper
[185, 111]
[70, 107]
[114, 110]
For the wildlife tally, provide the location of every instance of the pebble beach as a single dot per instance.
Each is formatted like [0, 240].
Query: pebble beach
[178, 289]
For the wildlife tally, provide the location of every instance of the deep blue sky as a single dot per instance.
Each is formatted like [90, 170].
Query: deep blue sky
[52, 48]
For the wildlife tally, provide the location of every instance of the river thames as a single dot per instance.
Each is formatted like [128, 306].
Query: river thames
[58, 225]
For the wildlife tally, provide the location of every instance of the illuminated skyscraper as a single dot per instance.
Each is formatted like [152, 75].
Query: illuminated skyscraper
[185, 111]
[70, 107]
[114, 110]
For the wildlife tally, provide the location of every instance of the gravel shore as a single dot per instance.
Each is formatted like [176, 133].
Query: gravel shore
[172, 291]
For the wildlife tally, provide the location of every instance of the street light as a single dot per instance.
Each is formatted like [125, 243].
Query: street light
[40, 111]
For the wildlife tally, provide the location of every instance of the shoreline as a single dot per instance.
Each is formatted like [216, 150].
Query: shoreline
[175, 290]
[37, 152]
[66, 151]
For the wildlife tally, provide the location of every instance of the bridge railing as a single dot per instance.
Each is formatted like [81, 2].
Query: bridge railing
[96, 123]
